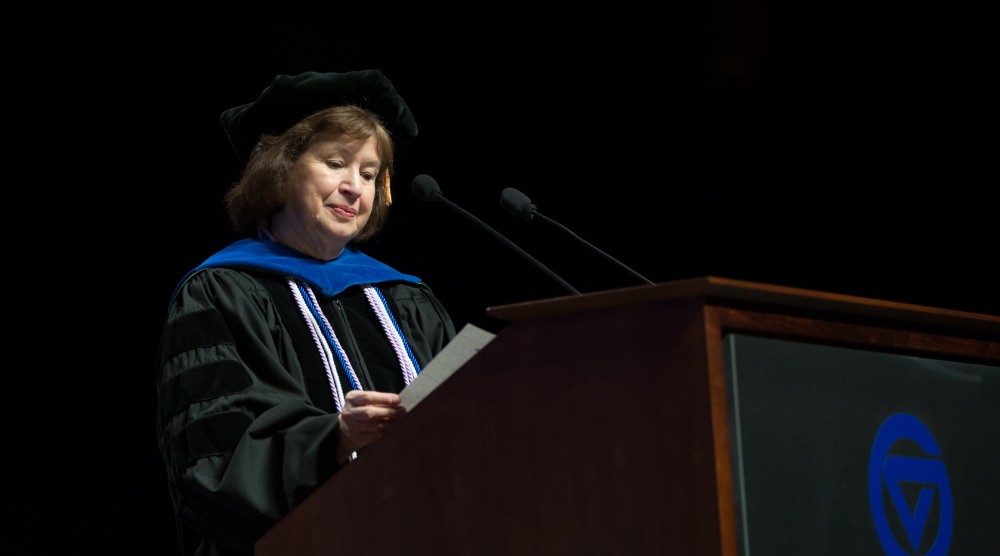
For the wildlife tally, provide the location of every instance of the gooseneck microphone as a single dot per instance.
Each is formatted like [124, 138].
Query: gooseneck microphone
[427, 189]
[518, 205]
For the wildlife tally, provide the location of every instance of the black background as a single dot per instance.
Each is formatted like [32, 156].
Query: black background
[834, 145]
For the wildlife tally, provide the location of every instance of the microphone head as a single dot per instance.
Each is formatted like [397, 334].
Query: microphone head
[426, 188]
[517, 204]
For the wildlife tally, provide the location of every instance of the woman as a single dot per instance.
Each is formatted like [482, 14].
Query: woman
[283, 354]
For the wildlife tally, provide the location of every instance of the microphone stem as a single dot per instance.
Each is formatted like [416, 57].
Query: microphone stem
[510, 244]
[609, 257]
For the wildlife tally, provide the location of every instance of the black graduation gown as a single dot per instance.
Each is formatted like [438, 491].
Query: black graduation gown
[246, 419]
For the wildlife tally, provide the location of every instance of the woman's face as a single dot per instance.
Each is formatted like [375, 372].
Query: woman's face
[331, 195]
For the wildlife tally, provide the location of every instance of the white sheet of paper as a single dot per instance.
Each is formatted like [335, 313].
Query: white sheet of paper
[469, 340]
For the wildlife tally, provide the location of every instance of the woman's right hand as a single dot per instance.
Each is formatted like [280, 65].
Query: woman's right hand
[365, 416]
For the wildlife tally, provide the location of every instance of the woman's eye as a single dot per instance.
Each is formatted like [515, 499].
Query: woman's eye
[334, 164]
[369, 176]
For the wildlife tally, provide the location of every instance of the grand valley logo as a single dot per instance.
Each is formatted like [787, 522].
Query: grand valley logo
[906, 476]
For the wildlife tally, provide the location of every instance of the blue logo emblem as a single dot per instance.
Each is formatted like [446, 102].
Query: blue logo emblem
[891, 475]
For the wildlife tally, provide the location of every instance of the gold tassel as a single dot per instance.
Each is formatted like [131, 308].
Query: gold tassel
[388, 191]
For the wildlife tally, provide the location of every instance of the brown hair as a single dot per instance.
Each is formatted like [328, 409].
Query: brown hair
[262, 189]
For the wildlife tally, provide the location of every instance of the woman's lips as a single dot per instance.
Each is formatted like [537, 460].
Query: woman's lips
[346, 212]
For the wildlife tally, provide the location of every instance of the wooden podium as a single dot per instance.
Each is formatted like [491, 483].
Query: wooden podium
[602, 423]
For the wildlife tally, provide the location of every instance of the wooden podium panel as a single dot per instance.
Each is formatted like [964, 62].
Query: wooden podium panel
[595, 424]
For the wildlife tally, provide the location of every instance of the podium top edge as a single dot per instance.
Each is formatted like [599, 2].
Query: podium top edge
[716, 290]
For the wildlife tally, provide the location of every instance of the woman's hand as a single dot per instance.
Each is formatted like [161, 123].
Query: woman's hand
[365, 416]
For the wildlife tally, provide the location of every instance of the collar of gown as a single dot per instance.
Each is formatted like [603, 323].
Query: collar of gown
[350, 268]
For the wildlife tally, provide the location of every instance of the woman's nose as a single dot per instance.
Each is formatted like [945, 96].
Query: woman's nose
[351, 184]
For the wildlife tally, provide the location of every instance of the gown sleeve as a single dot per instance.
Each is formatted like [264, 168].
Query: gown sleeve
[241, 441]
